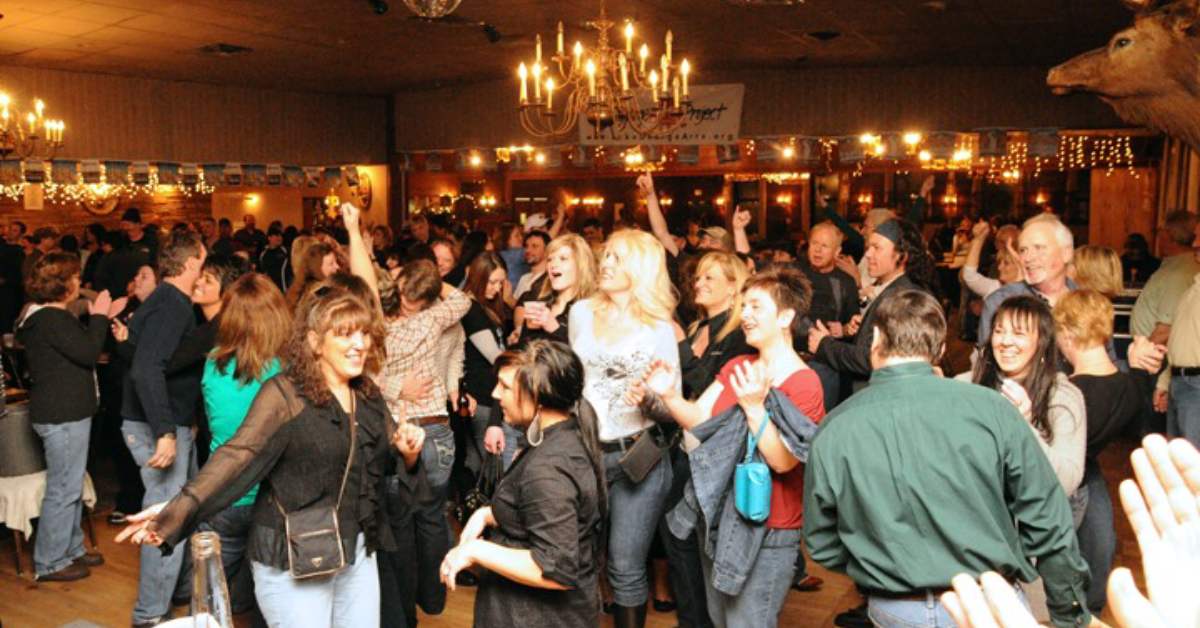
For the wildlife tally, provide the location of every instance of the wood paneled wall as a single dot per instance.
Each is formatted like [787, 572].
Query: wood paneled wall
[813, 101]
[162, 209]
[132, 118]
[1122, 203]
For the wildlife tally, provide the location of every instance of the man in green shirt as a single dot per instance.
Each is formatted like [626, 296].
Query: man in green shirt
[918, 478]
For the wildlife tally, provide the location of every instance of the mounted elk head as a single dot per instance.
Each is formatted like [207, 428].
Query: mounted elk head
[1149, 73]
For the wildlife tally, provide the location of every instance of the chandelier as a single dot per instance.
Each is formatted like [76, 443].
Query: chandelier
[432, 9]
[30, 136]
[607, 86]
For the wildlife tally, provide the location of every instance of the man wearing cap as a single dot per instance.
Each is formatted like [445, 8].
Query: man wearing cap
[886, 263]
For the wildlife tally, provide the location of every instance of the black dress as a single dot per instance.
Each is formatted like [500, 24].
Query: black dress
[547, 503]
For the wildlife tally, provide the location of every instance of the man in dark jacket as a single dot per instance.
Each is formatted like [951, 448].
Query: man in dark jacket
[159, 411]
[275, 262]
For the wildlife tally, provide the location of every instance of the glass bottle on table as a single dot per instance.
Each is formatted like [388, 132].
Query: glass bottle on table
[210, 594]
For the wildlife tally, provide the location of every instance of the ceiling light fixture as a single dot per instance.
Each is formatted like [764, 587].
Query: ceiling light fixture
[30, 136]
[607, 85]
[432, 9]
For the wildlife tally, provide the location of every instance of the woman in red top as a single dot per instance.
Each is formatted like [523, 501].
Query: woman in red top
[773, 304]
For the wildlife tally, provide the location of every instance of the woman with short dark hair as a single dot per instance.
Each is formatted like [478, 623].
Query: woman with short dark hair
[62, 356]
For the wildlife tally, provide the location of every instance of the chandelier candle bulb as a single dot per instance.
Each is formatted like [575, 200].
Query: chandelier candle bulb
[685, 68]
[591, 74]
[537, 82]
[624, 73]
[629, 38]
[39, 107]
[31, 120]
[669, 38]
[524, 74]
[559, 46]
[654, 83]
[578, 51]
[4, 119]
[676, 84]
[664, 64]
[644, 53]
[537, 51]
[549, 94]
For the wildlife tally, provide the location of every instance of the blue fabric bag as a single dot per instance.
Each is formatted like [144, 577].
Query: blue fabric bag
[752, 481]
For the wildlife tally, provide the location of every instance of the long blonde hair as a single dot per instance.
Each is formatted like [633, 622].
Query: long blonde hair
[644, 261]
[1099, 268]
[735, 271]
[585, 266]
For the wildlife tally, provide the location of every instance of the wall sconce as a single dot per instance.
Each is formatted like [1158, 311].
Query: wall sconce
[865, 198]
[719, 201]
[1040, 199]
[925, 156]
[251, 199]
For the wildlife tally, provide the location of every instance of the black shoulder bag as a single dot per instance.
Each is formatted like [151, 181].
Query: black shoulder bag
[314, 538]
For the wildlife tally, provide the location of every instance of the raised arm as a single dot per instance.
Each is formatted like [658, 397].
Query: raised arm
[560, 218]
[658, 223]
[741, 218]
[360, 254]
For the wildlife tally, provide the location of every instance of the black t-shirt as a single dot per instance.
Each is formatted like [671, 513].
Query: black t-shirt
[478, 374]
[834, 294]
[1112, 401]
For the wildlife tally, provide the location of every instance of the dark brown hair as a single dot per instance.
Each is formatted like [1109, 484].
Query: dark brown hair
[309, 270]
[329, 308]
[176, 251]
[420, 282]
[50, 279]
[254, 326]
[478, 274]
[789, 289]
[1032, 315]
[911, 323]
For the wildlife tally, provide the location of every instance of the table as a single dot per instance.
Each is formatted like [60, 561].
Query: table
[21, 503]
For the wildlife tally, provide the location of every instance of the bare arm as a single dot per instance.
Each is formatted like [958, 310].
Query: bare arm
[514, 564]
[658, 223]
[360, 255]
[741, 218]
[560, 218]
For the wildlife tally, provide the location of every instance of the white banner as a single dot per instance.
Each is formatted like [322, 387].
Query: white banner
[713, 117]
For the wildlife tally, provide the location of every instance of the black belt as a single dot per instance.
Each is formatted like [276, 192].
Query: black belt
[621, 444]
[912, 596]
[1185, 371]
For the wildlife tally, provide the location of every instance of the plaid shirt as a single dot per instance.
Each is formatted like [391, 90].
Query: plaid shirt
[411, 345]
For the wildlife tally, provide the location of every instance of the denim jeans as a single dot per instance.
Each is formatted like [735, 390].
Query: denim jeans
[1097, 538]
[927, 613]
[1183, 414]
[233, 526]
[432, 528]
[512, 438]
[765, 590]
[348, 599]
[683, 555]
[59, 538]
[158, 573]
[634, 511]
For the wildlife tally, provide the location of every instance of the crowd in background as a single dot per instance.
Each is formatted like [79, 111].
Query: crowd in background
[568, 420]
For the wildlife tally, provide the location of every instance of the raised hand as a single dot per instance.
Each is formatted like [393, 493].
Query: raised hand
[645, 183]
[118, 306]
[350, 216]
[1018, 396]
[741, 218]
[101, 304]
[995, 605]
[1163, 508]
[750, 383]
[981, 230]
[659, 378]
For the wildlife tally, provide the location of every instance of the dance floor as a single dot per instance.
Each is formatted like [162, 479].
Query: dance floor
[105, 598]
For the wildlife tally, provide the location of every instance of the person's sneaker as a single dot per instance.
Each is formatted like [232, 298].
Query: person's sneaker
[117, 518]
[151, 622]
[74, 571]
[853, 618]
[90, 559]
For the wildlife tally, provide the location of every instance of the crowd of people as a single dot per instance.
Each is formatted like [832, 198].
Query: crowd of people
[591, 422]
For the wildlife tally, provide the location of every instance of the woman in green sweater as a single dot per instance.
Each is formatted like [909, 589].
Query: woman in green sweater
[254, 325]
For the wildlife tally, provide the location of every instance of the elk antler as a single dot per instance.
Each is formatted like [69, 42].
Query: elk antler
[1139, 6]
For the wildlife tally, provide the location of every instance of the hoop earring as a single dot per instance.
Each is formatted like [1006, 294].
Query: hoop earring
[533, 433]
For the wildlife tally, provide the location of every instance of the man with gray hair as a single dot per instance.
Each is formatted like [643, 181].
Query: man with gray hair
[1046, 247]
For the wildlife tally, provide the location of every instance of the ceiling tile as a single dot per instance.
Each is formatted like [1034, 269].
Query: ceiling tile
[62, 25]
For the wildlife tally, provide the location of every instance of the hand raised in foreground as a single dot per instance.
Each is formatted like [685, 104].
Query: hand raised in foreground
[995, 605]
[139, 531]
[1163, 508]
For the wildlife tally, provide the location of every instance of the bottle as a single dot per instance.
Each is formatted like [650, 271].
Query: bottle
[210, 594]
[464, 403]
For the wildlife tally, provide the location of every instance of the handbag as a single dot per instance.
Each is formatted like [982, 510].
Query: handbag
[752, 481]
[645, 453]
[314, 537]
[480, 495]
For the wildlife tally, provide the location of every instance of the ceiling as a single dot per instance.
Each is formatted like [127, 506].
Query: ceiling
[343, 46]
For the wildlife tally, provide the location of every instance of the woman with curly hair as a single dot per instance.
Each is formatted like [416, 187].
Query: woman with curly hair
[897, 260]
[317, 262]
[307, 425]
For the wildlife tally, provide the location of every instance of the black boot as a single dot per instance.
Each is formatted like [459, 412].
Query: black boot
[629, 616]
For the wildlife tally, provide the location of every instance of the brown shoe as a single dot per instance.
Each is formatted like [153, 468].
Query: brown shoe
[90, 559]
[74, 571]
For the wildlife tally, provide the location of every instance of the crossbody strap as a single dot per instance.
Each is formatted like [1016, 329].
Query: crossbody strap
[349, 457]
[752, 439]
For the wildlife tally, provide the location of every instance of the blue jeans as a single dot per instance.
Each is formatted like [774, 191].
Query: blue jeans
[927, 613]
[158, 573]
[348, 599]
[633, 514]
[766, 588]
[479, 425]
[433, 530]
[59, 538]
[1183, 414]
[1097, 538]
[233, 525]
